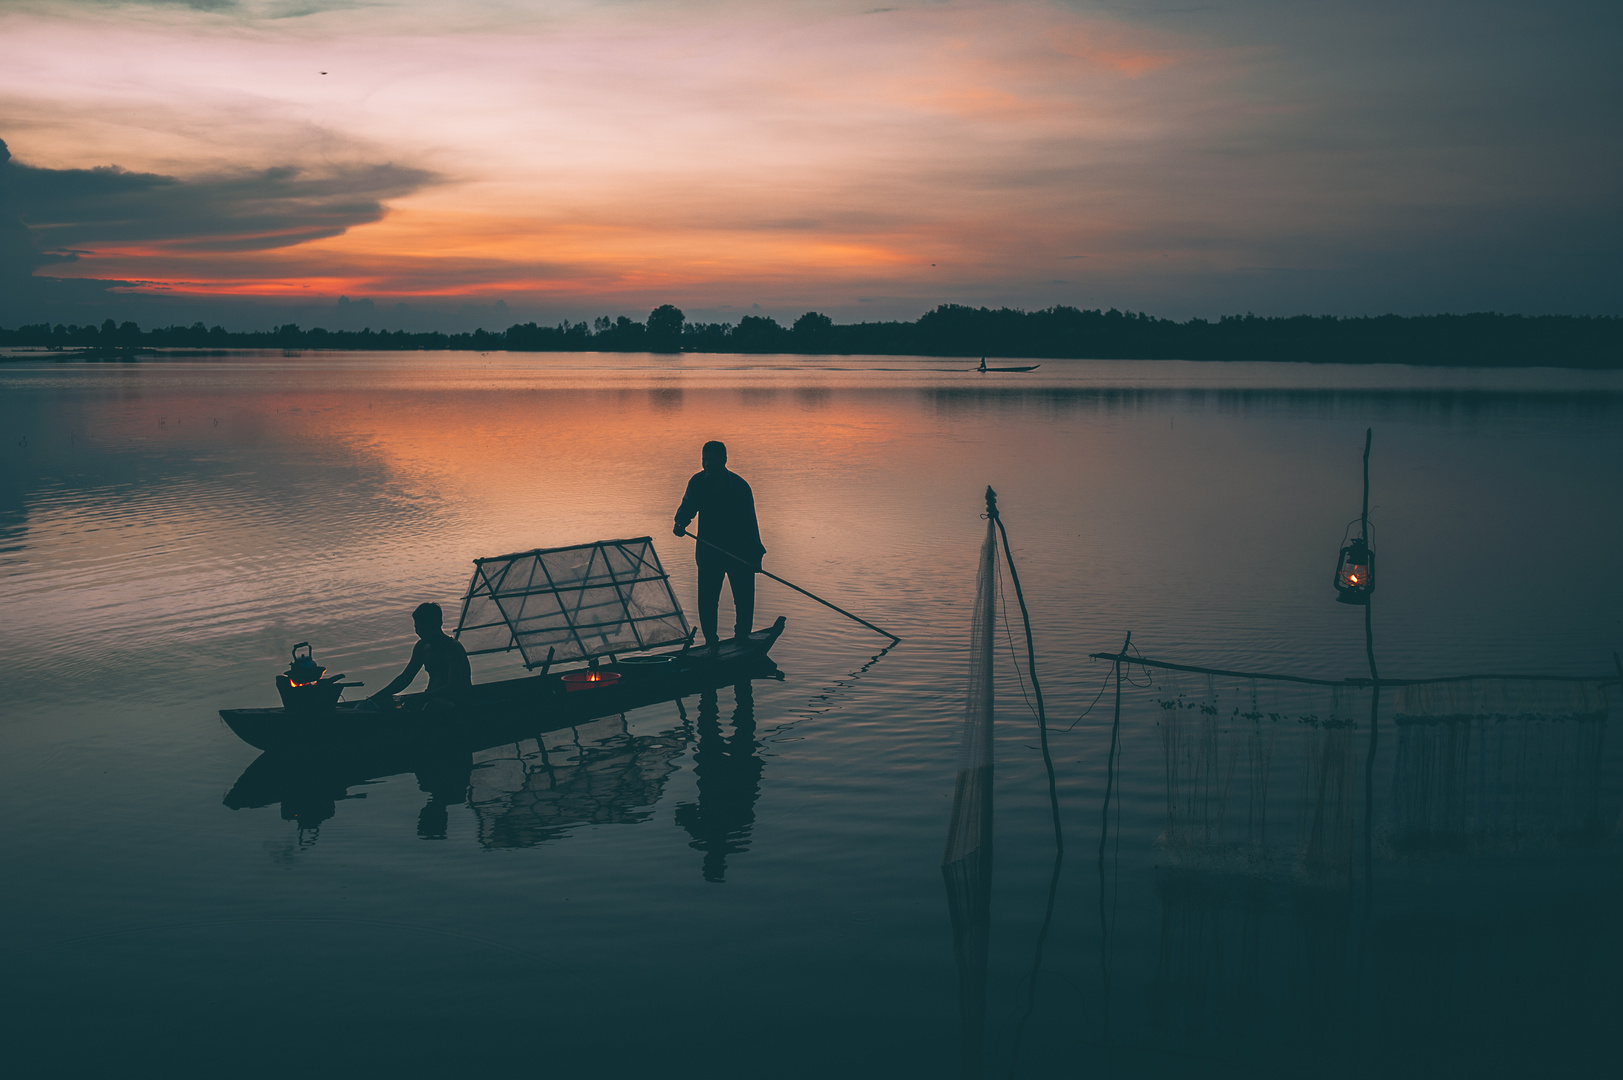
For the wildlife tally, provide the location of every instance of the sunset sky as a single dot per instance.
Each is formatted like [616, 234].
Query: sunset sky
[253, 161]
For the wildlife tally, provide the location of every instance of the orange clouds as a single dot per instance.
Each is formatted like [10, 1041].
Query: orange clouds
[1131, 55]
[730, 155]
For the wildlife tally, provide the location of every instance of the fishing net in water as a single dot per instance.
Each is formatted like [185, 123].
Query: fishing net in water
[1491, 762]
[1269, 774]
[971, 824]
[966, 865]
[1260, 774]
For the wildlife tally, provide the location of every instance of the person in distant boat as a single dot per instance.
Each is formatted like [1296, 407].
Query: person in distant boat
[982, 368]
[449, 676]
[726, 509]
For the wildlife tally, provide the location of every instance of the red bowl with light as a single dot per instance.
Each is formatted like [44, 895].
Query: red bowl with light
[589, 680]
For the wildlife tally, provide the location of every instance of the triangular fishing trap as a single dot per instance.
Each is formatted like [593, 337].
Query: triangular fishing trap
[571, 603]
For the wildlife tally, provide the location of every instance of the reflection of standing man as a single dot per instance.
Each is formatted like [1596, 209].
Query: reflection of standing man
[728, 776]
[726, 509]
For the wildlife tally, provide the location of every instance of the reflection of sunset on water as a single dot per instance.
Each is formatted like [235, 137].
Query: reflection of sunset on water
[170, 529]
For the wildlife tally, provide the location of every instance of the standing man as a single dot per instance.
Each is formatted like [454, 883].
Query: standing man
[726, 509]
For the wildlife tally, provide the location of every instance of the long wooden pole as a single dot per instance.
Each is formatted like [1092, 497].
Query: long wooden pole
[1363, 518]
[1374, 708]
[796, 588]
[1031, 666]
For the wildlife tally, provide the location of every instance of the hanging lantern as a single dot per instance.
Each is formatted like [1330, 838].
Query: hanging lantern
[1355, 572]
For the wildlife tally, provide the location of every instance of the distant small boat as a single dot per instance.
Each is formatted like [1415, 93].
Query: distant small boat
[608, 600]
[983, 368]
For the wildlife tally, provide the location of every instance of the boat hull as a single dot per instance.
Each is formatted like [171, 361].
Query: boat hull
[493, 710]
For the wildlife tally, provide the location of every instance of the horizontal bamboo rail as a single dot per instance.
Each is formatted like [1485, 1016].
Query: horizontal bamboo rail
[1602, 680]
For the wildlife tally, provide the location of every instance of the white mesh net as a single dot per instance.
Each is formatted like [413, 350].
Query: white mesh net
[966, 866]
[572, 603]
[972, 800]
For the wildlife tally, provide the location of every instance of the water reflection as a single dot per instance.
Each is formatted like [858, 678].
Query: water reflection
[446, 779]
[728, 775]
[1252, 972]
[536, 790]
[539, 787]
[198, 551]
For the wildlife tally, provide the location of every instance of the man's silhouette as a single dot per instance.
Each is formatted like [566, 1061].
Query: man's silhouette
[726, 509]
[446, 660]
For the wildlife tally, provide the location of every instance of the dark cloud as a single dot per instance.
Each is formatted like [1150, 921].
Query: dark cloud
[50, 216]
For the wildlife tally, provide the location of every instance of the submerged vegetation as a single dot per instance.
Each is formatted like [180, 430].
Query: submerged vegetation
[1477, 340]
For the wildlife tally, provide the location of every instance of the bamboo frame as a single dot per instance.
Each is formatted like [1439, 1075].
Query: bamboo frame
[580, 621]
[1601, 680]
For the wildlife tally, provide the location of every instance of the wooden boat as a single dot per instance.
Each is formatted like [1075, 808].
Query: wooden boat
[609, 600]
[983, 369]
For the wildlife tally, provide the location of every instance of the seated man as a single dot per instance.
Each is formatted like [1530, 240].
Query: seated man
[449, 677]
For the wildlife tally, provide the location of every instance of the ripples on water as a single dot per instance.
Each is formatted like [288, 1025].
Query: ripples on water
[747, 884]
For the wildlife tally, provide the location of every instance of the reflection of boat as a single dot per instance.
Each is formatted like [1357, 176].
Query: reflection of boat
[588, 602]
[528, 792]
[528, 784]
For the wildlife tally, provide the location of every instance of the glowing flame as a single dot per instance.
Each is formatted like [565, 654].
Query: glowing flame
[1353, 578]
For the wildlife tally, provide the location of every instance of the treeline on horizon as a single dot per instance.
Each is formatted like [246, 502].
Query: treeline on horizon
[1482, 339]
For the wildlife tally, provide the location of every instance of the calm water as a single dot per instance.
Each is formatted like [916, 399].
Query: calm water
[748, 883]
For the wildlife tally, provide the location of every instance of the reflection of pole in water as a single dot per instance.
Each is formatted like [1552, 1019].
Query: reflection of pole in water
[1104, 835]
[966, 864]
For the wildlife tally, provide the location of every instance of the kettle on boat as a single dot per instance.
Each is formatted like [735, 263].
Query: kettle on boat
[305, 686]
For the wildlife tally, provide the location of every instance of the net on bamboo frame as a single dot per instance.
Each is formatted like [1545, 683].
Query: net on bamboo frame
[1500, 762]
[1260, 775]
[966, 864]
[571, 603]
[971, 824]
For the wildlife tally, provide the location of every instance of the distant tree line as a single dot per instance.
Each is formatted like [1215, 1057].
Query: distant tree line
[953, 330]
